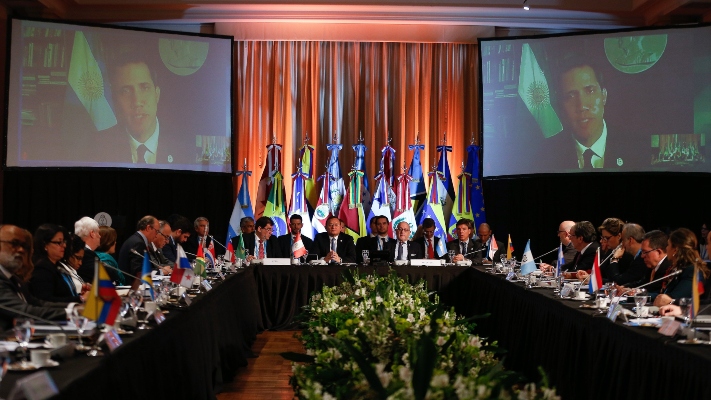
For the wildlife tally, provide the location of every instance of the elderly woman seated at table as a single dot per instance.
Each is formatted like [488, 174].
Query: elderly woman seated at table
[684, 256]
[48, 282]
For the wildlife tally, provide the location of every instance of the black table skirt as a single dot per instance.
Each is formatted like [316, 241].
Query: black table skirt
[586, 355]
[285, 290]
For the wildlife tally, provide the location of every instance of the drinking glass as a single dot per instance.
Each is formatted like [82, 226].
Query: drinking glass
[366, 257]
[640, 299]
[685, 305]
[451, 254]
[23, 334]
[80, 322]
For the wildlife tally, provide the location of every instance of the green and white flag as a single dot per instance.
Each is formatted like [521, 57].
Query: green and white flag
[534, 91]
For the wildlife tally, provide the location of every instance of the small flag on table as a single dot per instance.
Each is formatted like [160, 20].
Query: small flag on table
[493, 247]
[509, 249]
[527, 263]
[183, 277]
[441, 249]
[595, 276]
[697, 289]
[146, 274]
[104, 303]
[298, 247]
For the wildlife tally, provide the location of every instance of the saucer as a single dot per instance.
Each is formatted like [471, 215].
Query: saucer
[31, 367]
[586, 298]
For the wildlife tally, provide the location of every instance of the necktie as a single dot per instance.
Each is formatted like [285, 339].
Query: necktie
[261, 249]
[141, 154]
[587, 159]
[430, 250]
[333, 244]
[18, 284]
[403, 255]
[382, 244]
[464, 248]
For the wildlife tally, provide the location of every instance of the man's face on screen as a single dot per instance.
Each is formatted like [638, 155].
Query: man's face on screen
[584, 103]
[136, 99]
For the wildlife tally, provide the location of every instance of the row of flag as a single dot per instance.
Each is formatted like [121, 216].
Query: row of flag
[401, 197]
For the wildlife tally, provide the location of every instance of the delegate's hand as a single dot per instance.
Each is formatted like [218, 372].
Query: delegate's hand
[332, 256]
[582, 275]
[669, 310]
[663, 300]
[85, 287]
[458, 257]
[167, 270]
[546, 267]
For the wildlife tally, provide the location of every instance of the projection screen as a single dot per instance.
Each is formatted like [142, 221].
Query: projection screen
[86, 96]
[605, 102]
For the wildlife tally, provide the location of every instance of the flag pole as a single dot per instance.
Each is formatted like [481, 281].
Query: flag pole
[95, 289]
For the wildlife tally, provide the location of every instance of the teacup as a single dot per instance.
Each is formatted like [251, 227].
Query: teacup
[56, 340]
[39, 357]
[581, 295]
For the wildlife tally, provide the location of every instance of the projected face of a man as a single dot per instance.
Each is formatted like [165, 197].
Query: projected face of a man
[136, 99]
[584, 103]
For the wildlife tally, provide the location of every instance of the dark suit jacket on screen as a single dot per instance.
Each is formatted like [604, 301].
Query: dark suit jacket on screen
[174, 147]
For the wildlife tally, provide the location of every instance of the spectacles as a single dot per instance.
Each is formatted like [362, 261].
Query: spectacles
[17, 244]
[164, 235]
[646, 252]
[58, 242]
[402, 229]
[77, 257]
[604, 238]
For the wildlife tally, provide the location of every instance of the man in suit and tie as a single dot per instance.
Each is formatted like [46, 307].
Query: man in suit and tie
[402, 249]
[15, 246]
[429, 242]
[379, 242]
[654, 253]
[485, 240]
[334, 246]
[88, 230]
[569, 251]
[180, 232]
[129, 262]
[286, 242]
[260, 244]
[583, 237]
[464, 247]
[246, 225]
[160, 262]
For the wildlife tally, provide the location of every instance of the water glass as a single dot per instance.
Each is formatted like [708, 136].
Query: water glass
[451, 254]
[80, 321]
[686, 305]
[23, 333]
[366, 257]
[640, 299]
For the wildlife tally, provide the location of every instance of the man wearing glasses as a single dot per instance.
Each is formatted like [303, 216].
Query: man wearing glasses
[402, 249]
[260, 244]
[333, 246]
[637, 271]
[161, 239]
[569, 251]
[146, 230]
[654, 253]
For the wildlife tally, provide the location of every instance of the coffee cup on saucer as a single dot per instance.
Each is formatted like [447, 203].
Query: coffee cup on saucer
[39, 357]
[56, 340]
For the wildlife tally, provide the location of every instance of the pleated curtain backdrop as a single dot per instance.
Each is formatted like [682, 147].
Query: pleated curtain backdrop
[333, 92]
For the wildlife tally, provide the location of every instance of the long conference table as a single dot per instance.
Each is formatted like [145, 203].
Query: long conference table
[197, 349]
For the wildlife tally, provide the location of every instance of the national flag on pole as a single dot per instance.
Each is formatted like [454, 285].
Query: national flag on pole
[447, 196]
[351, 213]
[462, 207]
[276, 205]
[200, 269]
[560, 261]
[307, 168]
[104, 303]
[240, 251]
[387, 163]
[509, 249]
[183, 277]
[298, 203]
[433, 207]
[528, 265]
[146, 274]
[403, 204]
[272, 165]
[697, 289]
[476, 196]
[298, 248]
[441, 249]
[418, 188]
[86, 80]
[323, 207]
[493, 247]
[336, 187]
[359, 162]
[243, 205]
[181, 261]
[381, 202]
[534, 91]
[595, 275]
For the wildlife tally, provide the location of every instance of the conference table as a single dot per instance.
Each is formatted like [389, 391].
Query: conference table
[196, 349]
[585, 355]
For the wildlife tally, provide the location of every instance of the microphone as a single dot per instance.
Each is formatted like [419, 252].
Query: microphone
[546, 253]
[475, 251]
[611, 254]
[675, 273]
[123, 272]
[149, 260]
[53, 323]
[214, 240]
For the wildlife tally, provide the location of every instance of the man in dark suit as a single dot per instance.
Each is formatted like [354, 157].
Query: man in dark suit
[636, 271]
[485, 240]
[379, 242]
[88, 230]
[429, 242]
[200, 236]
[15, 245]
[587, 142]
[583, 237]
[140, 137]
[160, 262]
[180, 232]
[260, 244]
[287, 241]
[402, 248]
[464, 247]
[653, 252]
[129, 262]
[324, 243]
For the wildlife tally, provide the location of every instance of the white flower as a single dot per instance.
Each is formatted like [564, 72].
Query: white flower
[440, 341]
[378, 299]
[440, 380]
[422, 312]
[404, 373]
[410, 318]
[327, 396]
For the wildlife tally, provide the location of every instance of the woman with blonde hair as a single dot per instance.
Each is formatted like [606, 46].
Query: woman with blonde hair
[682, 252]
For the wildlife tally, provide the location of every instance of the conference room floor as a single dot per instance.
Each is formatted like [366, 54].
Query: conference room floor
[266, 376]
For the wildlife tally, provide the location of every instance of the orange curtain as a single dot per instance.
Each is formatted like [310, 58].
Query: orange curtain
[333, 92]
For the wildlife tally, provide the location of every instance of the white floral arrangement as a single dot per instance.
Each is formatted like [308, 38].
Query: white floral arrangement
[379, 337]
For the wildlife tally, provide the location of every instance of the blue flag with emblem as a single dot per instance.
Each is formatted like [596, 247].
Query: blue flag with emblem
[476, 195]
[528, 265]
[146, 274]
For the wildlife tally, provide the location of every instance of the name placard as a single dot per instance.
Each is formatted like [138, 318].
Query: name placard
[113, 340]
[426, 263]
[276, 261]
[207, 285]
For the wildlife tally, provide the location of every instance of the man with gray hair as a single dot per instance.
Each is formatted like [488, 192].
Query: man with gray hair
[200, 236]
[88, 230]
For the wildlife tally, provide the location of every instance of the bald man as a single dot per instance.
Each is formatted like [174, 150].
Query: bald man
[485, 238]
[568, 248]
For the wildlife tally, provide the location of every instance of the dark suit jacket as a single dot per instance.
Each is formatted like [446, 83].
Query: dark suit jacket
[584, 261]
[191, 246]
[272, 250]
[661, 272]
[611, 270]
[497, 256]
[344, 247]
[86, 271]
[370, 244]
[414, 250]
[636, 274]
[173, 148]
[472, 246]
[285, 244]
[9, 298]
[421, 242]
[47, 283]
[170, 250]
[680, 286]
[132, 263]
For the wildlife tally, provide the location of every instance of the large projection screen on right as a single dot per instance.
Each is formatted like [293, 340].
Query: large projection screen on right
[626, 101]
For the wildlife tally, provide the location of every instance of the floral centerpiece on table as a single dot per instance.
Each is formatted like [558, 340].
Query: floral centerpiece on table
[380, 337]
